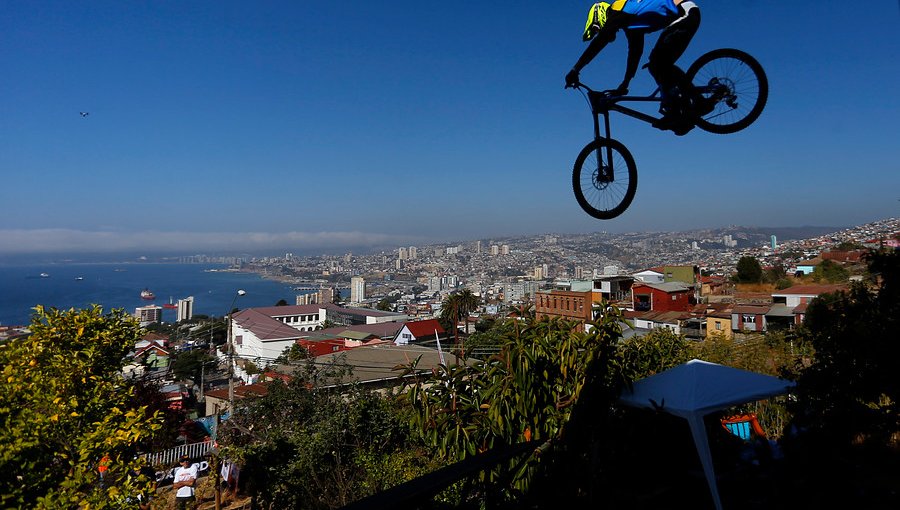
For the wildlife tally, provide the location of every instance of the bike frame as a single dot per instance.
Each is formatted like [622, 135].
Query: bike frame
[601, 104]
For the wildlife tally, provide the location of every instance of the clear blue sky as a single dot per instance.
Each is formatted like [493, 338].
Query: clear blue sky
[324, 124]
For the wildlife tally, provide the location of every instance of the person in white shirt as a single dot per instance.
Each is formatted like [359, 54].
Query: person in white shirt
[185, 478]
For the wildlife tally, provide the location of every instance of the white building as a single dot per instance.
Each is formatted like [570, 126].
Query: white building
[357, 289]
[650, 276]
[149, 314]
[185, 309]
[263, 334]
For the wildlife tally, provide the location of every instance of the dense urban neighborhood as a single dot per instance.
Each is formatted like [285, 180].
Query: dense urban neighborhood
[422, 328]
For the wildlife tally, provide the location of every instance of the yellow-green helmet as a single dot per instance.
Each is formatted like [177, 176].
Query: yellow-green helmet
[595, 20]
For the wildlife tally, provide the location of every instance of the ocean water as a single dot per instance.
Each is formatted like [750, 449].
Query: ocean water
[120, 286]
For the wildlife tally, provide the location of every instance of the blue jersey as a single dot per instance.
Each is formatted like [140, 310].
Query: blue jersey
[650, 15]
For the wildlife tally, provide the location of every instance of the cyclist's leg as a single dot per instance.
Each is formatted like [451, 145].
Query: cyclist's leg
[672, 43]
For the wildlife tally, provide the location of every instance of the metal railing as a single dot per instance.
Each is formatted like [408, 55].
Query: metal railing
[168, 457]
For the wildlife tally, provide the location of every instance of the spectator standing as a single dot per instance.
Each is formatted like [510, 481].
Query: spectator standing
[185, 480]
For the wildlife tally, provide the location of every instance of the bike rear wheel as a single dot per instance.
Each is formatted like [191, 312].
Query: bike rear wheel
[599, 196]
[731, 83]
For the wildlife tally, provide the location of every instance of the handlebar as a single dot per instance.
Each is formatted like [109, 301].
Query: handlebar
[605, 93]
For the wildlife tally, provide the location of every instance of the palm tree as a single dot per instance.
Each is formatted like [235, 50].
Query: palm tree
[468, 303]
[456, 306]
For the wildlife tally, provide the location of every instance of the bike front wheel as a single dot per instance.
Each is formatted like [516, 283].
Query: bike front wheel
[604, 178]
[733, 90]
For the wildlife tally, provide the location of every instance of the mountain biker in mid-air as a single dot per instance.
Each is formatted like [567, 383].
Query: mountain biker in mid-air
[678, 21]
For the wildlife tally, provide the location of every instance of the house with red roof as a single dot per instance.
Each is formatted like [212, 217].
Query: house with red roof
[661, 297]
[153, 356]
[419, 331]
[342, 338]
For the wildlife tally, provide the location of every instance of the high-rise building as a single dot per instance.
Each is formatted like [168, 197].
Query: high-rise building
[398, 264]
[774, 243]
[148, 314]
[478, 247]
[504, 250]
[185, 309]
[310, 298]
[412, 252]
[325, 295]
[357, 289]
[579, 273]
[495, 250]
[538, 272]
[402, 255]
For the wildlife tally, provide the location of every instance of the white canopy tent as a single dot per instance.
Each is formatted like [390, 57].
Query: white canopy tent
[697, 388]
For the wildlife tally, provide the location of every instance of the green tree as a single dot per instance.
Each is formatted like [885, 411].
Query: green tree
[851, 391]
[281, 302]
[849, 246]
[527, 392]
[64, 406]
[189, 365]
[847, 408]
[384, 305]
[456, 306]
[657, 351]
[830, 272]
[748, 270]
[321, 446]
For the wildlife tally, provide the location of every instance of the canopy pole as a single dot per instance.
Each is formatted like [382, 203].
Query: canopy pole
[701, 441]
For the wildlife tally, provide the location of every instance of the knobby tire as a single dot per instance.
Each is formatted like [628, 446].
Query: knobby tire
[607, 201]
[749, 82]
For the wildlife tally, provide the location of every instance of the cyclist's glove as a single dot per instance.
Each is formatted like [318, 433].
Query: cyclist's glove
[572, 78]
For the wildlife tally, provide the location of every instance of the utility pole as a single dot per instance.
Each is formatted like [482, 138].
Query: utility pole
[231, 354]
[216, 463]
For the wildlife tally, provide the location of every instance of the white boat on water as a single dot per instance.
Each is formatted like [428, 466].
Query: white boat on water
[45, 275]
[146, 294]
[79, 278]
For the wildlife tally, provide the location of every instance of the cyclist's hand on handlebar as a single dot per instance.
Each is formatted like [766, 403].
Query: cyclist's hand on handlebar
[621, 90]
[572, 78]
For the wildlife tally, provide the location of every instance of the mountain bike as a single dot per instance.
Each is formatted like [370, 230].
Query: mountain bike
[728, 92]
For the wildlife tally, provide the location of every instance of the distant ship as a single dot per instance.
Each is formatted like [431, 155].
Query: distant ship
[146, 294]
[79, 278]
[45, 275]
[170, 304]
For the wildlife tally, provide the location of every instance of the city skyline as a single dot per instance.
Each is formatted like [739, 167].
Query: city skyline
[235, 127]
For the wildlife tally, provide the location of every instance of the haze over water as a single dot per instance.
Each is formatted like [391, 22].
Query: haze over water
[120, 285]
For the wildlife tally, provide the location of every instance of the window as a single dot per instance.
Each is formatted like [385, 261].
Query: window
[238, 339]
[674, 297]
[335, 348]
[407, 336]
[718, 326]
[748, 319]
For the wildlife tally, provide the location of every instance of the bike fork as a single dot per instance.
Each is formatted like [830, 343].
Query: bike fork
[604, 172]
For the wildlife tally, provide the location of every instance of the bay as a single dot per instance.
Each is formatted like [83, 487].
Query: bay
[120, 285]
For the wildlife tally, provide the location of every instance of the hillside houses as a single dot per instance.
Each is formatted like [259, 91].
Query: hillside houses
[265, 333]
